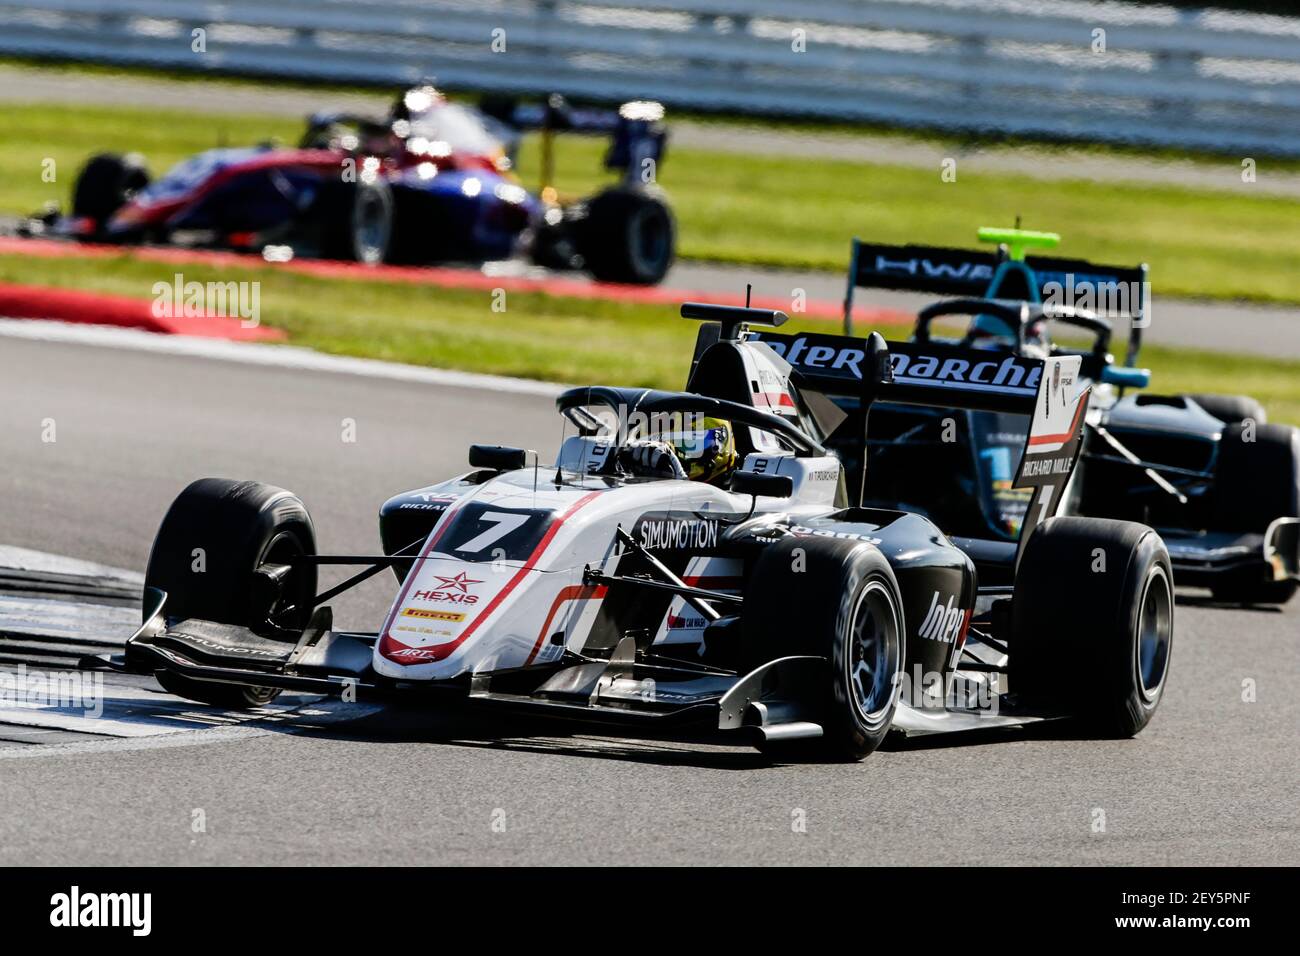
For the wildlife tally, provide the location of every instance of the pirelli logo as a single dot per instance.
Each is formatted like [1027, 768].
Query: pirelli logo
[429, 615]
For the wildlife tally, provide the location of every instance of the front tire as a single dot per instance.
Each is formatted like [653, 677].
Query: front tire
[1093, 623]
[1256, 480]
[357, 223]
[105, 184]
[849, 611]
[214, 536]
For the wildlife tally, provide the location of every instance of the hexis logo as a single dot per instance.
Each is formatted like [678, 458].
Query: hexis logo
[452, 590]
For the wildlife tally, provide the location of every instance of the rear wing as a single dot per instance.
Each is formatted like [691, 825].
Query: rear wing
[1121, 291]
[947, 376]
[910, 373]
[636, 129]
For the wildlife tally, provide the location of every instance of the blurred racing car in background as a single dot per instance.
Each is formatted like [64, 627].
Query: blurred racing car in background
[431, 182]
[1220, 484]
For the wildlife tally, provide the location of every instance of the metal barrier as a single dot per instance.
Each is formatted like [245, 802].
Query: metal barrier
[1112, 71]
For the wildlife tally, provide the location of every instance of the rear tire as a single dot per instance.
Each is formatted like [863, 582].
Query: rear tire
[1093, 640]
[357, 223]
[216, 533]
[105, 184]
[850, 612]
[1232, 409]
[1255, 482]
[628, 236]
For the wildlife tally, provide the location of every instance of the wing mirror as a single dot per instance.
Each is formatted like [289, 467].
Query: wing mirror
[1126, 377]
[769, 486]
[497, 457]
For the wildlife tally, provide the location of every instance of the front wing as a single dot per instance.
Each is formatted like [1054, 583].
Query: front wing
[776, 701]
[770, 702]
[1204, 558]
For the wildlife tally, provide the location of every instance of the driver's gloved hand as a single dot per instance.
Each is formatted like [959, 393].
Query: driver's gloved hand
[654, 459]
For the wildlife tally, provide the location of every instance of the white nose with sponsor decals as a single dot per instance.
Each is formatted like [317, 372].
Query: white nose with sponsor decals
[440, 601]
[481, 555]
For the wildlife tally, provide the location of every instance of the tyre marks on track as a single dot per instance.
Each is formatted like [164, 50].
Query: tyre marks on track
[53, 612]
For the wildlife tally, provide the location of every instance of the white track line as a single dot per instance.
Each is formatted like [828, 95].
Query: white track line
[320, 714]
[132, 717]
[25, 559]
[257, 353]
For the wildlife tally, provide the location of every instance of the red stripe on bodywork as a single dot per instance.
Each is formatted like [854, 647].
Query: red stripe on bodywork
[574, 592]
[775, 399]
[138, 211]
[388, 643]
[443, 651]
[1064, 436]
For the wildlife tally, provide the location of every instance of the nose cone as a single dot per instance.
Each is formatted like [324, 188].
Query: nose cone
[405, 655]
[441, 602]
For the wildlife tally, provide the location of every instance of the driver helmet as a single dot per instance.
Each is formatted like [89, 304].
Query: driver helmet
[1037, 344]
[705, 446]
[416, 101]
[992, 332]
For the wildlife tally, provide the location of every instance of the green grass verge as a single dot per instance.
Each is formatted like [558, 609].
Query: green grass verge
[537, 336]
[777, 210]
[69, 134]
[541, 336]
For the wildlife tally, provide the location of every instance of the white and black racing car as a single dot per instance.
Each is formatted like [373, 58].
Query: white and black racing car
[691, 560]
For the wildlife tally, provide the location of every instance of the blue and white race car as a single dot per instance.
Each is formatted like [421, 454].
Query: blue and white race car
[431, 182]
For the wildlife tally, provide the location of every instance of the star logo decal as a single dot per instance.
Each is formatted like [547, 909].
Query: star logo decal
[460, 582]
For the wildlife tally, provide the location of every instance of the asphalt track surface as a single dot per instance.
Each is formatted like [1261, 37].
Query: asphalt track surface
[1213, 780]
